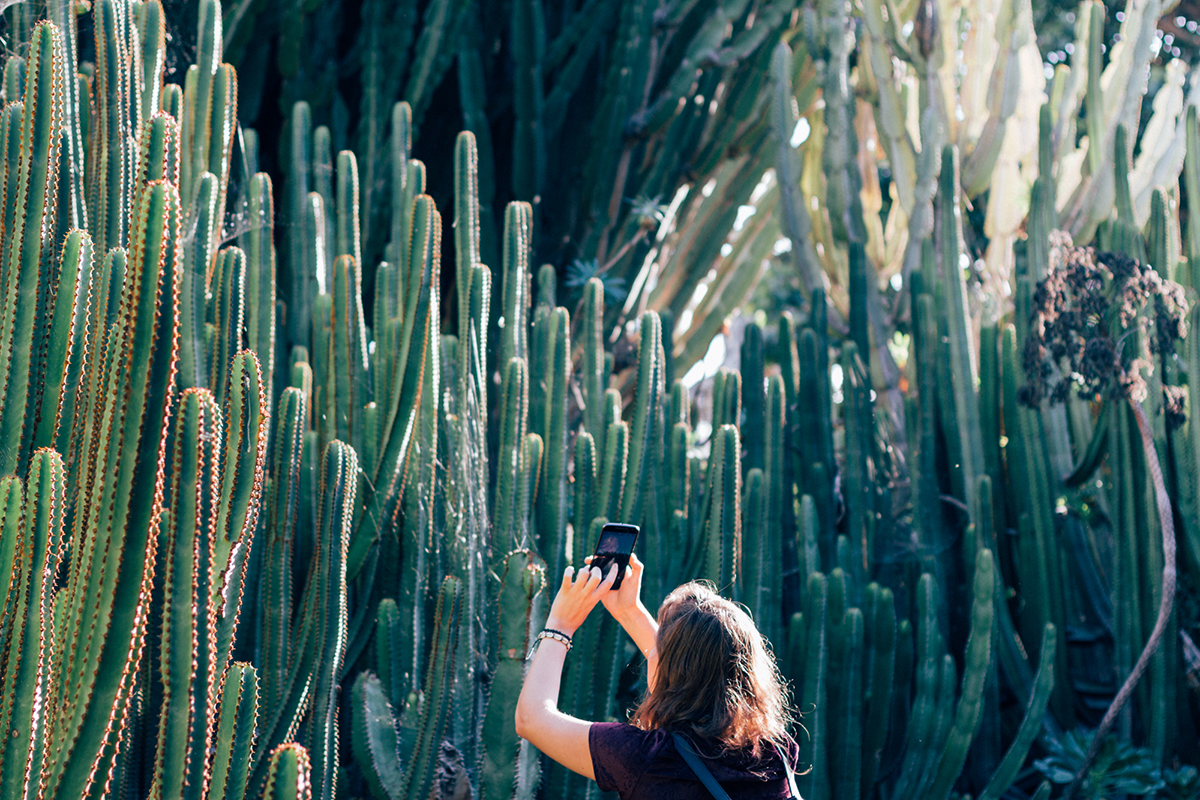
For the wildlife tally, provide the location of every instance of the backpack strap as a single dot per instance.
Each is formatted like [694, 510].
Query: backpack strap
[791, 775]
[693, 761]
[710, 783]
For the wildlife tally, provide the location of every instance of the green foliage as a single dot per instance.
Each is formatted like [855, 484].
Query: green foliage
[1120, 768]
[1181, 784]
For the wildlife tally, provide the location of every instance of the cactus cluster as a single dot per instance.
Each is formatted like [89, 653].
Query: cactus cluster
[281, 500]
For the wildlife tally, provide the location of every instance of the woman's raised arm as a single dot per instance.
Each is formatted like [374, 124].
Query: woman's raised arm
[560, 736]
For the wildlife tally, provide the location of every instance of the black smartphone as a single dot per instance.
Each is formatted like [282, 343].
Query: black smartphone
[616, 544]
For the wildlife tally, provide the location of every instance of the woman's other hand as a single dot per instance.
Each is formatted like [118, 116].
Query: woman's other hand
[577, 596]
[626, 600]
[625, 605]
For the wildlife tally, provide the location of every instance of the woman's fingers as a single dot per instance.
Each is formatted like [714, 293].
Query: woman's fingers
[581, 578]
[594, 577]
[601, 588]
[636, 568]
[566, 580]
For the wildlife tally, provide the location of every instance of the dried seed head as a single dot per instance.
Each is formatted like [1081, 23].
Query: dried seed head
[1097, 321]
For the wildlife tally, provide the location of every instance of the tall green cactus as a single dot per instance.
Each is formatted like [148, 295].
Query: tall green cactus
[962, 350]
[514, 413]
[552, 522]
[467, 506]
[813, 751]
[34, 192]
[112, 591]
[722, 562]
[283, 507]
[516, 279]
[37, 545]
[327, 604]
[399, 760]
[523, 578]
[977, 656]
[881, 634]
[109, 157]
[317, 649]
[406, 389]
[234, 732]
[860, 488]
[586, 495]
[846, 704]
[753, 508]
[594, 378]
[815, 427]
[727, 397]
[753, 393]
[259, 244]
[186, 641]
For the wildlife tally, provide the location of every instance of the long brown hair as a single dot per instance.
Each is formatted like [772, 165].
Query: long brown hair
[717, 682]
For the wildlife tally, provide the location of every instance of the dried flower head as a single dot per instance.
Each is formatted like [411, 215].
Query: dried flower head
[1097, 321]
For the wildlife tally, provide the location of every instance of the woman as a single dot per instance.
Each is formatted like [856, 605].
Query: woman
[712, 688]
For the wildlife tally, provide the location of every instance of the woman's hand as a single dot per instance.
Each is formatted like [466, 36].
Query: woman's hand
[576, 598]
[625, 605]
[626, 601]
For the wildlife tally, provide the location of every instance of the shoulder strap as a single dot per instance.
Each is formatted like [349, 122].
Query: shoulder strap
[710, 783]
[791, 775]
[693, 761]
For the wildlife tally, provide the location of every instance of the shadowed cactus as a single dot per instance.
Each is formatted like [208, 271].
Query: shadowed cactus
[399, 756]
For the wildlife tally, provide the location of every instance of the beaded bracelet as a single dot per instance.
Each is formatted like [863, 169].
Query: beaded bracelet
[549, 633]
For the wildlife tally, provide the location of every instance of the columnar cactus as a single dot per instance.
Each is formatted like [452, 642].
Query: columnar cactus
[401, 763]
[234, 733]
[523, 578]
[289, 776]
[33, 549]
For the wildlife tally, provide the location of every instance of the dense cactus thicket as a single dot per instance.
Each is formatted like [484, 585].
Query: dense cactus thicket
[291, 458]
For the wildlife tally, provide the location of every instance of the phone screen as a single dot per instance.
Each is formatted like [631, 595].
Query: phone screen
[615, 544]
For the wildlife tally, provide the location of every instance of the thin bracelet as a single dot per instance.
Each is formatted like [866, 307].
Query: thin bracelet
[549, 633]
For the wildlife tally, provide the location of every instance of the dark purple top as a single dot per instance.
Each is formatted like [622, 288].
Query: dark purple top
[644, 765]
